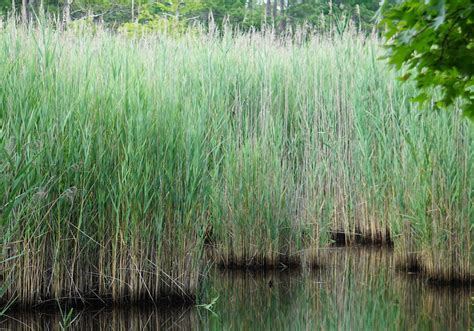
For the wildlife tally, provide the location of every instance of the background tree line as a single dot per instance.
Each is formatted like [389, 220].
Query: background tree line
[243, 13]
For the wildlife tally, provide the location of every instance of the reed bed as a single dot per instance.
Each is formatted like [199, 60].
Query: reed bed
[103, 172]
[121, 156]
[436, 199]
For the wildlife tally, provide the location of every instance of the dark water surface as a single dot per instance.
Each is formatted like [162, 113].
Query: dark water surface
[358, 289]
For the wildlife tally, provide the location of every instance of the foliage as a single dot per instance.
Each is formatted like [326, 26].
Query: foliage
[323, 14]
[121, 157]
[83, 26]
[242, 13]
[434, 39]
[156, 17]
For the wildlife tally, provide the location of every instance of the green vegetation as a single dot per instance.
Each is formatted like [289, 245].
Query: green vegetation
[359, 289]
[435, 40]
[121, 156]
[104, 173]
[246, 14]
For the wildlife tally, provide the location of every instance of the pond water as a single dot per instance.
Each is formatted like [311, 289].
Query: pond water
[359, 289]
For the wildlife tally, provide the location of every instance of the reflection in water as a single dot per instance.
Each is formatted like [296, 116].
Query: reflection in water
[358, 289]
[135, 318]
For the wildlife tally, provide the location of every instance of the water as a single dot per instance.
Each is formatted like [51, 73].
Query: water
[359, 289]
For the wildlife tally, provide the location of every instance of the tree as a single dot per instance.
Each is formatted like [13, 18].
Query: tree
[67, 11]
[268, 10]
[434, 40]
[282, 16]
[244, 14]
[275, 10]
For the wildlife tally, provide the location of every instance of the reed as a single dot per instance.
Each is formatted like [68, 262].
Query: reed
[120, 156]
[437, 195]
[103, 173]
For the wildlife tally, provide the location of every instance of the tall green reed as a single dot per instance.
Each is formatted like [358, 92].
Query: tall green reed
[114, 198]
[120, 156]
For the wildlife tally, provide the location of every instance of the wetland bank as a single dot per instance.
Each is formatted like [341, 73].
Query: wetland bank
[359, 289]
[124, 159]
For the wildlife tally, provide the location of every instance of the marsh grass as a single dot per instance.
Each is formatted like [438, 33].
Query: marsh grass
[358, 288]
[435, 199]
[120, 156]
[104, 192]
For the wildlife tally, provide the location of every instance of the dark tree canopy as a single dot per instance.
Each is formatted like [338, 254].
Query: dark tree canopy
[434, 39]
